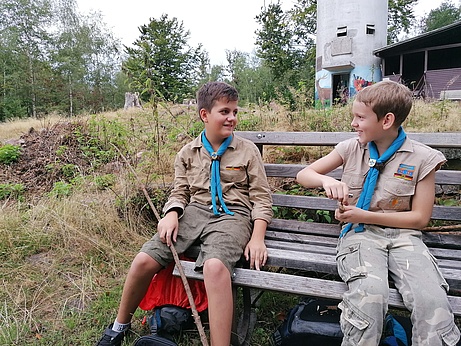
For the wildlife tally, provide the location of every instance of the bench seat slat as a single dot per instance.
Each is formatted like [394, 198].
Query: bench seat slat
[299, 285]
[325, 263]
[321, 247]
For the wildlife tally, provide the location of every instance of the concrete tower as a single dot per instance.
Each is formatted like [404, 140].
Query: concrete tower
[348, 31]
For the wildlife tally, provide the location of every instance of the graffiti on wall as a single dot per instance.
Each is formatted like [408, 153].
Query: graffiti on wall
[360, 83]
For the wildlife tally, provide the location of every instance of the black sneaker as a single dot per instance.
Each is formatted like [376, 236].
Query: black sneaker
[111, 337]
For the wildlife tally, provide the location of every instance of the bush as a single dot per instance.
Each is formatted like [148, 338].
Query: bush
[9, 153]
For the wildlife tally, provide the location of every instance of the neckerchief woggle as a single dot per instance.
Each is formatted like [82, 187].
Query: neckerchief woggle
[215, 176]
[376, 164]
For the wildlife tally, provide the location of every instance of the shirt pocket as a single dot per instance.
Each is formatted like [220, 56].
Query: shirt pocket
[233, 176]
[355, 185]
[397, 195]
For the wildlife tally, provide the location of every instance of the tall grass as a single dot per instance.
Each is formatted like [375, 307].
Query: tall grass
[65, 256]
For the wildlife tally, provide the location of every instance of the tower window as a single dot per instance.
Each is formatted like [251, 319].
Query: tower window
[370, 29]
[341, 31]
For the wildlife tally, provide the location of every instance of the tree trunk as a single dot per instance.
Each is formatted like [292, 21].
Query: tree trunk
[132, 100]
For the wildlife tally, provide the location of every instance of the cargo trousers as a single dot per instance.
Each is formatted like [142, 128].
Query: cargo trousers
[365, 260]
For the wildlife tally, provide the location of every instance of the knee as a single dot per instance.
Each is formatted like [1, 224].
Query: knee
[143, 263]
[215, 271]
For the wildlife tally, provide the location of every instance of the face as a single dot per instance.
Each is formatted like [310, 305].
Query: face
[365, 123]
[221, 121]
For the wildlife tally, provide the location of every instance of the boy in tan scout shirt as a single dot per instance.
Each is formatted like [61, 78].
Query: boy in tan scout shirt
[221, 197]
[390, 178]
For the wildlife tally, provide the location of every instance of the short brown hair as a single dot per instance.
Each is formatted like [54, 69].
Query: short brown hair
[387, 97]
[211, 92]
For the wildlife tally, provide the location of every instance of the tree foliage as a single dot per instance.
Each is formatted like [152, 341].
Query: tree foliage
[447, 13]
[55, 60]
[161, 64]
[400, 18]
[286, 46]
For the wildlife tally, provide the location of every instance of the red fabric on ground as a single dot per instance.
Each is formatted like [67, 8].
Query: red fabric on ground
[167, 289]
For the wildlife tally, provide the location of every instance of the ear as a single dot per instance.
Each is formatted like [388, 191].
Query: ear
[203, 115]
[388, 121]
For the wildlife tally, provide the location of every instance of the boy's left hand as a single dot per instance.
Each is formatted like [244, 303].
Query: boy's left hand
[350, 214]
[256, 253]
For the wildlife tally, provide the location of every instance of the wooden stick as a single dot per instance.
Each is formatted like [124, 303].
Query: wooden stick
[197, 320]
[442, 228]
[195, 314]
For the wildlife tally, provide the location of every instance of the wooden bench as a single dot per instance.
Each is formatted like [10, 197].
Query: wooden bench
[302, 254]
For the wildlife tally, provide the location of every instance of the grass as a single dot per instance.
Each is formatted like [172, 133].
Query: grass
[65, 254]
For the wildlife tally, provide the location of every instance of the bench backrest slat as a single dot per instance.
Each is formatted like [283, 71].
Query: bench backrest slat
[320, 203]
[435, 140]
[286, 170]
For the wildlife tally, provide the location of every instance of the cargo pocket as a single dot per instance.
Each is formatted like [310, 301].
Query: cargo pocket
[450, 335]
[442, 282]
[350, 264]
[353, 322]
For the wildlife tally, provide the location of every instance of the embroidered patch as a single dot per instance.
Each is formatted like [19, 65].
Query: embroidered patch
[233, 168]
[405, 172]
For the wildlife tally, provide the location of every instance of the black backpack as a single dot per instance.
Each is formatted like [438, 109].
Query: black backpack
[311, 322]
[165, 321]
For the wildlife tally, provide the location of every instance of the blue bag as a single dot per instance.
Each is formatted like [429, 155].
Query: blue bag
[397, 331]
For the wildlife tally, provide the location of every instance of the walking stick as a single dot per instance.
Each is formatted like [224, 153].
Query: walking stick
[195, 314]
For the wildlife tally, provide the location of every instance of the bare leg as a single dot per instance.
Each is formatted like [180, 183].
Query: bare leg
[139, 277]
[220, 301]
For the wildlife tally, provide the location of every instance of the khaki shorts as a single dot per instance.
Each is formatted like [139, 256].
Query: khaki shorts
[223, 237]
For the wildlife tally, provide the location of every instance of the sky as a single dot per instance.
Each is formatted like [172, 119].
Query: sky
[218, 25]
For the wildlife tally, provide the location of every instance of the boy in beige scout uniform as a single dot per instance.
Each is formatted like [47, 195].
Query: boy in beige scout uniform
[392, 182]
[222, 198]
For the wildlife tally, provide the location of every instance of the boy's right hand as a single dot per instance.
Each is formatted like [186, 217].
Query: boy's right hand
[168, 228]
[335, 189]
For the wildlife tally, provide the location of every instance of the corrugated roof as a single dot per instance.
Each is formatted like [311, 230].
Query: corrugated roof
[447, 35]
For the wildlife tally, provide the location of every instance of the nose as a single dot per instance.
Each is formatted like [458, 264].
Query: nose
[231, 117]
[353, 122]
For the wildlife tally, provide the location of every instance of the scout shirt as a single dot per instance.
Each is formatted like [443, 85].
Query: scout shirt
[243, 178]
[397, 181]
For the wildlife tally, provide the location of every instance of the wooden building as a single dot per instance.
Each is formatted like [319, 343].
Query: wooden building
[429, 64]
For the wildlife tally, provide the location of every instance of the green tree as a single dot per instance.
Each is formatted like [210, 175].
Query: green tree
[447, 13]
[24, 32]
[86, 58]
[285, 43]
[161, 64]
[53, 59]
[252, 80]
[400, 18]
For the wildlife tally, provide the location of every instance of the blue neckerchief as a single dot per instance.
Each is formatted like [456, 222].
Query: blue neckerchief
[215, 179]
[376, 164]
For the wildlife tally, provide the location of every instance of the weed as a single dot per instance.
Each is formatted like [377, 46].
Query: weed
[61, 189]
[10, 190]
[9, 153]
[104, 181]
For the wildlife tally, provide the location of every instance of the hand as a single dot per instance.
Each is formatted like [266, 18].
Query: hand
[168, 228]
[335, 189]
[350, 214]
[256, 253]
